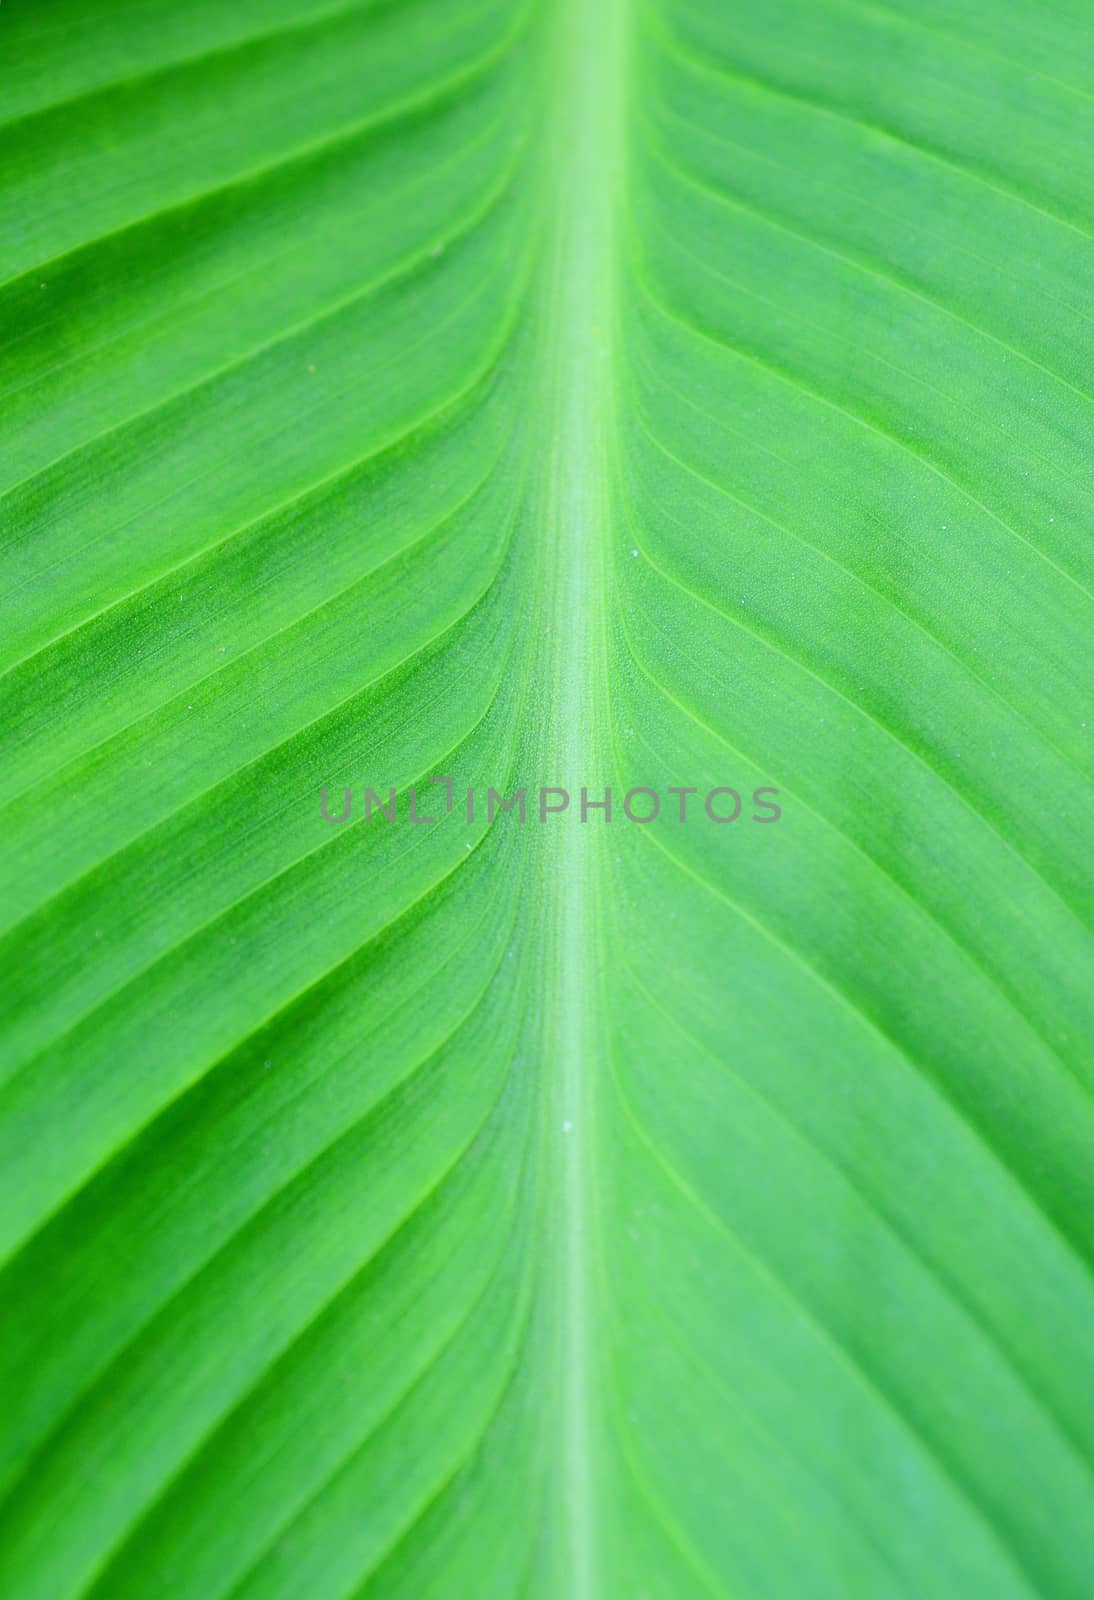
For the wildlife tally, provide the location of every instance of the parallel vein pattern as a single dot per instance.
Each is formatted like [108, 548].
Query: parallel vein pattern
[663, 394]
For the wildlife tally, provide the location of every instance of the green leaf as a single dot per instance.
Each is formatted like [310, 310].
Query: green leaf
[657, 395]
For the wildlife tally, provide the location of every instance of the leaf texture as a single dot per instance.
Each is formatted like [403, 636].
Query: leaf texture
[657, 395]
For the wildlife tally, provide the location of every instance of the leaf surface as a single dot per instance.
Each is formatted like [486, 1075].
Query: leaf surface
[671, 396]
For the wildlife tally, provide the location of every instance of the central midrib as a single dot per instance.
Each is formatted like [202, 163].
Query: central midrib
[588, 100]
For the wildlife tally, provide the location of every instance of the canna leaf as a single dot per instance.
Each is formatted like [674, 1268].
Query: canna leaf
[544, 690]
